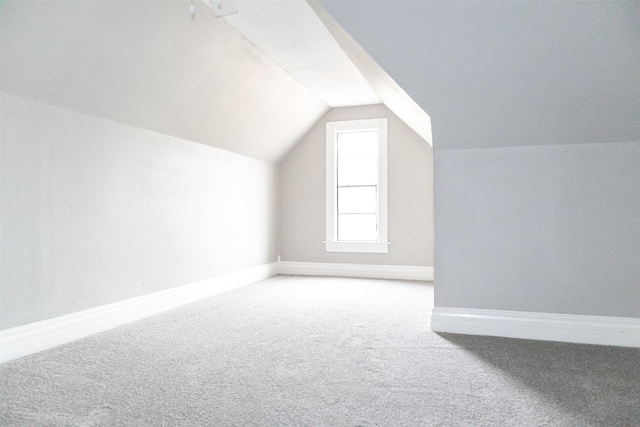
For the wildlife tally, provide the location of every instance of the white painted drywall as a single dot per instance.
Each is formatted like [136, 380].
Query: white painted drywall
[94, 211]
[147, 64]
[290, 33]
[410, 194]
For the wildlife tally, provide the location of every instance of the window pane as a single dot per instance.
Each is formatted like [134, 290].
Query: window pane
[358, 227]
[357, 200]
[357, 171]
[358, 144]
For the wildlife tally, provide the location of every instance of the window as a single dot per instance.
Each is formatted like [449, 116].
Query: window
[356, 216]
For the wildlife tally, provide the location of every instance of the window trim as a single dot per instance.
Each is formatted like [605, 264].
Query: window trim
[331, 242]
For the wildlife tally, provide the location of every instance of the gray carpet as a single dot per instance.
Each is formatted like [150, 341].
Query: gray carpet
[293, 351]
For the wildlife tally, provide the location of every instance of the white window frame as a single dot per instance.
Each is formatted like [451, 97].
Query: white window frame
[331, 242]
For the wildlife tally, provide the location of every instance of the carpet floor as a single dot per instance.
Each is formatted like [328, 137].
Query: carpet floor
[305, 351]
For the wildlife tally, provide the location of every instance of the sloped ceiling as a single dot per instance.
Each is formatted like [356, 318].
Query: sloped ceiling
[149, 65]
[389, 92]
[505, 73]
[290, 33]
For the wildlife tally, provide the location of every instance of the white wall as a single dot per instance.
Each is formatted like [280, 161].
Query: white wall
[94, 211]
[410, 194]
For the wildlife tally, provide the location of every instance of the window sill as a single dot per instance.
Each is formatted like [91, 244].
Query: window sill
[364, 247]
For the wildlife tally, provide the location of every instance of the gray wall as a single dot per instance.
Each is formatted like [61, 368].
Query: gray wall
[95, 211]
[535, 114]
[302, 191]
[543, 229]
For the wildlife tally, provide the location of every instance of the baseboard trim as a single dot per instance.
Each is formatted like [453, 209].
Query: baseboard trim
[34, 337]
[601, 330]
[371, 271]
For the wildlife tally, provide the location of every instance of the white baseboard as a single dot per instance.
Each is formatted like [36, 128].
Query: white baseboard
[370, 271]
[34, 337]
[615, 331]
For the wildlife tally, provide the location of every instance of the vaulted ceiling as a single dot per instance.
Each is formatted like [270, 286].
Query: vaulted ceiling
[253, 83]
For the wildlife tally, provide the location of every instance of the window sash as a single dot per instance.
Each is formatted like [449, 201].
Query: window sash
[371, 210]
